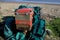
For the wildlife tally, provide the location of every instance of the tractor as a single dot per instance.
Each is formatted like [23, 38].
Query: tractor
[23, 19]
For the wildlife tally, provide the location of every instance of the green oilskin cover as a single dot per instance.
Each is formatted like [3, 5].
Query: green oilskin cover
[37, 32]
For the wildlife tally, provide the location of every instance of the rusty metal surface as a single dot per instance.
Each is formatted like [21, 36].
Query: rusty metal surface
[22, 27]
[22, 17]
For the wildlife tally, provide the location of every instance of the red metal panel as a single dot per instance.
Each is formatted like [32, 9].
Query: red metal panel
[24, 22]
[24, 10]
